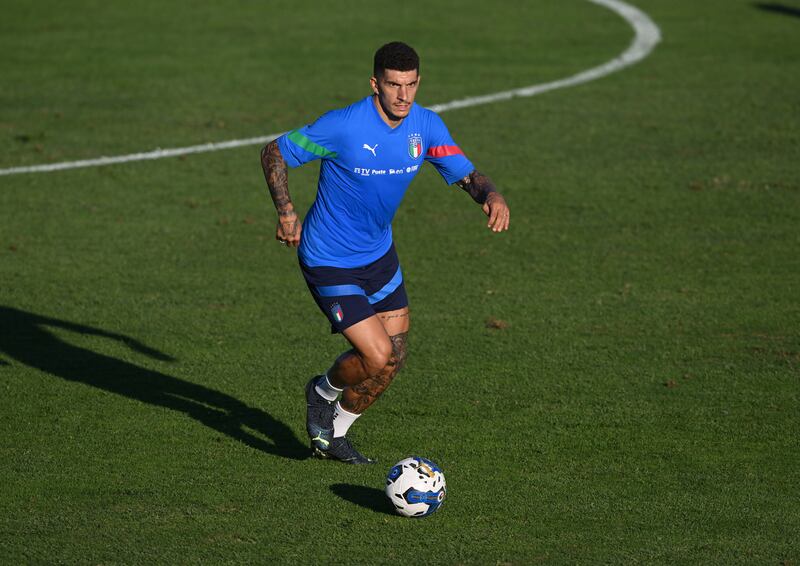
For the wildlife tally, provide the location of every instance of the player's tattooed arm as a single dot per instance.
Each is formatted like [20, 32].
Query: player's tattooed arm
[483, 191]
[276, 173]
[478, 185]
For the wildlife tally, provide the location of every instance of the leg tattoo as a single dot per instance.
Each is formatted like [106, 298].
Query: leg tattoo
[356, 399]
[399, 350]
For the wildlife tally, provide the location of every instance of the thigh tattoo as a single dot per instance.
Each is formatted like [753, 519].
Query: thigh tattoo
[384, 316]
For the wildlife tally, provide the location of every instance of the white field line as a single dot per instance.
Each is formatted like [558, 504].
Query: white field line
[647, 35]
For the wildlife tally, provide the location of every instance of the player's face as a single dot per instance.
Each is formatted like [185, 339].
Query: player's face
[396, 91]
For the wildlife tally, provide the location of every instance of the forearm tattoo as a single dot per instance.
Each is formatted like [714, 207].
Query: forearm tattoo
[478, 185]
[366, 392]
[277, 175]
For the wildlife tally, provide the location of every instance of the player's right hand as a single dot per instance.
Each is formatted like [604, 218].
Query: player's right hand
[289, 229]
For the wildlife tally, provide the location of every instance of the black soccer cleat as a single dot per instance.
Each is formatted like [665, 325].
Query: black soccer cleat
[343, 450]
[319, 417]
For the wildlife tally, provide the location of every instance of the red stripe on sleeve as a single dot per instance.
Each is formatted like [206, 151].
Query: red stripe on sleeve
[444, 151]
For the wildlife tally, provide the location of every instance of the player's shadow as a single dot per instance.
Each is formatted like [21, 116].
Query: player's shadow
[367, 497]
[778, 8]
[25, 337]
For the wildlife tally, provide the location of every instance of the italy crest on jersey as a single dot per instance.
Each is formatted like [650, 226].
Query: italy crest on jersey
[415, 145]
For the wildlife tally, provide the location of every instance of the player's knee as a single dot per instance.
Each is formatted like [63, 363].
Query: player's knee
[377, 357]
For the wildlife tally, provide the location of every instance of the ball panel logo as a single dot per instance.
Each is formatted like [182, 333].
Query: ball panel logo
[415, 145]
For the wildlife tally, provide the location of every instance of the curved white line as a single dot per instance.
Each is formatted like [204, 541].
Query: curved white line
[647, 35]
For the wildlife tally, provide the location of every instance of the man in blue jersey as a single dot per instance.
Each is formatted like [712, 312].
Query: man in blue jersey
[370, 152]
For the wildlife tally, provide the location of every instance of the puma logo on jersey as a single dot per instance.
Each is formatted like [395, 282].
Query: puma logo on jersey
[371, 149]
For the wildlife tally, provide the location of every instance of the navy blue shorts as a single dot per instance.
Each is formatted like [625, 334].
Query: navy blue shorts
[349, 295]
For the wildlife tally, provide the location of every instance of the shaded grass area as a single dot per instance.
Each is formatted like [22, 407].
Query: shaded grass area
[614, 380]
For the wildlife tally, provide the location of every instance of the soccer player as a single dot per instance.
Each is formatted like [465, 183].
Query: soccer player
[370, 152]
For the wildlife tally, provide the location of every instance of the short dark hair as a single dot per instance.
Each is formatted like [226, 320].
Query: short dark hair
[396, 56]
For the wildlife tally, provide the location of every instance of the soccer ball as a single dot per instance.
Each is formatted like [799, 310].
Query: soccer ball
[416, 487]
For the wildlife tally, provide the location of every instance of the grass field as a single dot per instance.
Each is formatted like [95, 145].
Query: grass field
[639, 402]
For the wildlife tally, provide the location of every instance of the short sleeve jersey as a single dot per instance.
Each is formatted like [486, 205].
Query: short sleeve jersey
[365, 170]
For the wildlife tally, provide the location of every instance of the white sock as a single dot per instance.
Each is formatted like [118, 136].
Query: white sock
[342, 420]
[328, 391]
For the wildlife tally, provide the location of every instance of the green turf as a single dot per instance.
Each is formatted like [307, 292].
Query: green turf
[638, 404]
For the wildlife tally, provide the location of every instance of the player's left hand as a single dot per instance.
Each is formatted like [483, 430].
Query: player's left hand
[496, 209]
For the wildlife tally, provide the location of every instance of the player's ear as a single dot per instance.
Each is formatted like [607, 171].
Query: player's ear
[373, 82]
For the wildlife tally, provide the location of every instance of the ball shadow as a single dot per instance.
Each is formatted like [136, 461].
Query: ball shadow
[363, 496]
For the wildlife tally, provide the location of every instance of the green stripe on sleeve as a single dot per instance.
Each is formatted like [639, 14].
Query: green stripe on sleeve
[311, 147]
